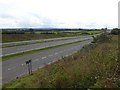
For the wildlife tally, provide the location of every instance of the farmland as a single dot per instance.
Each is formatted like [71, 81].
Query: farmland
[13, 35]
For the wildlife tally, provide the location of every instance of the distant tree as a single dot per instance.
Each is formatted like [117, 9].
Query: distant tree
[12, 32]
[104, 30]
[31, 31]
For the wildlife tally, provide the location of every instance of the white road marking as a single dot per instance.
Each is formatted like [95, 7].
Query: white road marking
[11, 68]
[53, 61]
[43, 57]
[23, 64]
[49, 63]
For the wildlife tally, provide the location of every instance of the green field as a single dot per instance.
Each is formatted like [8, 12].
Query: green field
[45, 35]
[94, 66]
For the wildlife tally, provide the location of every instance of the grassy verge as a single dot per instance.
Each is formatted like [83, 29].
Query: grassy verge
[94, 66]
[36, 50]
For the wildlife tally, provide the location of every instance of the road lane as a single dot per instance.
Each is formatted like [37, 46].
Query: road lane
[17, 49]
[16, 67]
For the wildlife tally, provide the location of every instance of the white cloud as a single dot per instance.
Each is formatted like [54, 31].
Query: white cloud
[59, 13]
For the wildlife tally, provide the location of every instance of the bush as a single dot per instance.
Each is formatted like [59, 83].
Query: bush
[115, 31]
[104, 37]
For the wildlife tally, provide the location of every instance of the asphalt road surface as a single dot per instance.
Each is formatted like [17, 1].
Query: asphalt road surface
[17, 49]
[16, 66]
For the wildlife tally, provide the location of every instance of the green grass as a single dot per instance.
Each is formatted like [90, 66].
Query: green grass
[82, 31]
[39, 35]
[35, 50]
[36, 36]
[94, 66]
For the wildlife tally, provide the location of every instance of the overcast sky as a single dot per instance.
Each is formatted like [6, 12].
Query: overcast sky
[58, 13]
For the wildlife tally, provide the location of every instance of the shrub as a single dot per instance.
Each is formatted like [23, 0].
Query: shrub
[115, 31]
[104, 37]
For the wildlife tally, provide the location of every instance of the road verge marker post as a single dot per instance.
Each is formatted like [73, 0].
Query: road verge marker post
[29, 63]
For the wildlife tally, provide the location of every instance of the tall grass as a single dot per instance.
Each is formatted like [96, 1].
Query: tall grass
[94, 66]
